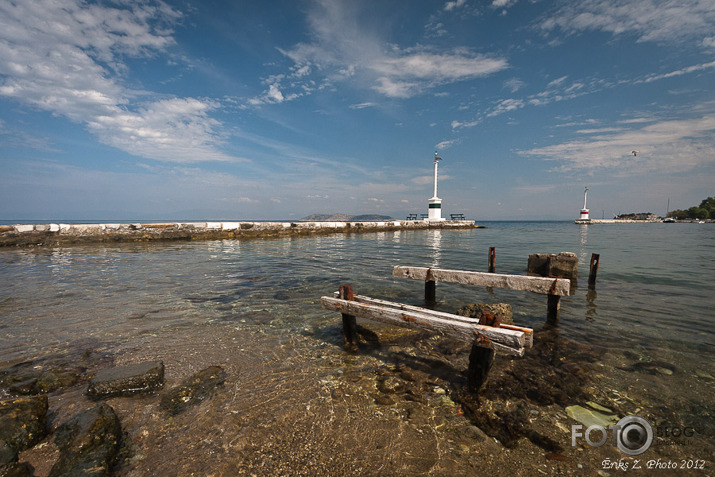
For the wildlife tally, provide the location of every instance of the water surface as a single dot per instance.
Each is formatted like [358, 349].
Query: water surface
[252, 306]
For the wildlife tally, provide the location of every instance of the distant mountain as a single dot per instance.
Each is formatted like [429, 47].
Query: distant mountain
[369, 218]
[345, 218]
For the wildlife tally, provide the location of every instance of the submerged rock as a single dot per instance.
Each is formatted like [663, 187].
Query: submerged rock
[193, 390]
[88, 442]
[37, 377]
[16, 469]
[23, 422]
[652, 367]
[590, 417]
[499, 310]
[127, 380]
[391, 385]
[598, 407]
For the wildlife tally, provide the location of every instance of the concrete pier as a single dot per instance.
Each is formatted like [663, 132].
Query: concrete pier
[29, 235]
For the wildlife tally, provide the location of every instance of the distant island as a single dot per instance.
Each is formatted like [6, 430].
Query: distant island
[345, 218]
[647, 216]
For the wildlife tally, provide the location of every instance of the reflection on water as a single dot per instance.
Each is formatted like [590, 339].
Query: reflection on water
[434, 241]
[591, 301]
[253, 307]
[583, 253]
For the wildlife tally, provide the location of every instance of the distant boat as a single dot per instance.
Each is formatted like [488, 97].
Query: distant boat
[669, 220]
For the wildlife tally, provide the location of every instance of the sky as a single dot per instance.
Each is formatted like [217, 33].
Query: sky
[220, 110]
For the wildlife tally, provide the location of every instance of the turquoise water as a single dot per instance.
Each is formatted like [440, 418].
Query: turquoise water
[195, 304]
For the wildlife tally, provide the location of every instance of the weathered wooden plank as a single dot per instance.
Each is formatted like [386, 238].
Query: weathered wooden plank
[528, 332]
[546, 286]
[509, 341]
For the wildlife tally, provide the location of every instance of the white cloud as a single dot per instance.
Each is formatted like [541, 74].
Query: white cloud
[459, 124]
[67, 57]
[396, 88]
[503, 3]
[665, 146]
[513, 84]
[505, 106]
[343, 48]
[446, 144]
[648, 20]
[363, 105]
[172, 130]
[449, 6]
[533, 189]
[680, 72]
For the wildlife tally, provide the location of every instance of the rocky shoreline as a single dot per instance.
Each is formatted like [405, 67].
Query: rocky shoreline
[92, 441]
[28, 235]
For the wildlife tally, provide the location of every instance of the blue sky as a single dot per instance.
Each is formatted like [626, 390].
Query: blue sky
[189, 110]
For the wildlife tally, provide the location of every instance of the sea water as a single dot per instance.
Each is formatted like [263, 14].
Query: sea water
[253, 306]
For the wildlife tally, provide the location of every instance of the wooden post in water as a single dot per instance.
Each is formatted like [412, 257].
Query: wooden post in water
[480, 362]
[492, 259]
[553, 304]
[349, 321]
[430, 289]
[593, 270]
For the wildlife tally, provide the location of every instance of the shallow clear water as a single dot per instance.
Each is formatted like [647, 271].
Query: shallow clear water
[253, 305]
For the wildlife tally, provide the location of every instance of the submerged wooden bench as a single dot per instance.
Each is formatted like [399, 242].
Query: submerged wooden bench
[485, 340]
[554, 288]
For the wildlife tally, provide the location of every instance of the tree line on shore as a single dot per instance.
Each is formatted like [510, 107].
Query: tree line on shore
[706, 210]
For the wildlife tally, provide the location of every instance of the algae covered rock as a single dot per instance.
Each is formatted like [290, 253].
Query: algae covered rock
[89, 443]
[590, 417]
[127, 380]
[193, 390]
[23, 422]
[38, 377]
[499, 310]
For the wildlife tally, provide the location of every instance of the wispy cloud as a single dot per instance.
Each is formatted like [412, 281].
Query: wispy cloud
[449, 6]
[363, 105]
[680, 72]
[68, 57]
[460, 124]
[446, 144]
[664, 146]
[505, 106]
[533, 189]
[343, 48]
[649, 20]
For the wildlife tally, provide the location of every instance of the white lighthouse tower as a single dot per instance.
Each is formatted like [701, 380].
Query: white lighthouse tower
[435, 203]
[584, 212]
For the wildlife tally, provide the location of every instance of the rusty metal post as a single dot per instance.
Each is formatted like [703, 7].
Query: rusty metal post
[349, 322]
[593, 270]
[430, 289]
[492, 259]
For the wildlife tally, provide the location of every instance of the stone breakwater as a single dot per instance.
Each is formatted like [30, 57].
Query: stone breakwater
[29, 235]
